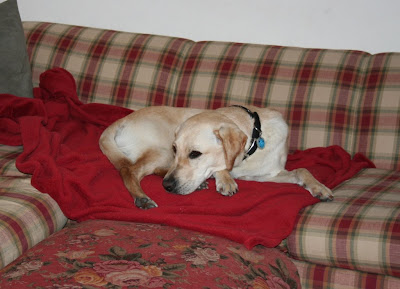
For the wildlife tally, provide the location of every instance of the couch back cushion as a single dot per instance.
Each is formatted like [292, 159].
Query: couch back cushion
[378, 124]
[316, 90]
[120, 68]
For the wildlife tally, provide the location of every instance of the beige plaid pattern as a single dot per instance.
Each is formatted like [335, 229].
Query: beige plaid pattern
[359, 230]
[328, 97]
[125, 69]
[26, 217]
[308, 86]
[322, 277]
[378, 127]
[8, 154]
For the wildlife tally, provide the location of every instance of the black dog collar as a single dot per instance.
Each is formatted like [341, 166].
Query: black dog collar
[256, 140]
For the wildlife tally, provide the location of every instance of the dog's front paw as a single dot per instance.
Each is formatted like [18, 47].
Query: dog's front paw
[203, 186]
[321, 192]
[145, 203]
[228, 188]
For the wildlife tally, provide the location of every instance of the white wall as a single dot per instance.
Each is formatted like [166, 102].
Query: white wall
[369, 25]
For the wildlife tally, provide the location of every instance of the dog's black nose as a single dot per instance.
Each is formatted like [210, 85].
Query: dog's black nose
[169, 184]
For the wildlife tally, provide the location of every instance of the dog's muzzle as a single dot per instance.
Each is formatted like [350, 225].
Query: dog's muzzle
[170, 184]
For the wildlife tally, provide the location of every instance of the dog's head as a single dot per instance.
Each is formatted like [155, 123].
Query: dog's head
[204, 144]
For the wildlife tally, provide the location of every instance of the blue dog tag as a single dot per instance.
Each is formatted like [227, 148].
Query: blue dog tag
[261, 143]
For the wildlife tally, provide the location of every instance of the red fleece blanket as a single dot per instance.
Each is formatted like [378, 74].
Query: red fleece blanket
[60, 138]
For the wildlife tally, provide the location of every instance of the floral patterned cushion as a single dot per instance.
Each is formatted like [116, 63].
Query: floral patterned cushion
[110, 254]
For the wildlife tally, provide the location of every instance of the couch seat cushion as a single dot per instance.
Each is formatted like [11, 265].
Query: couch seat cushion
[114, 254]
[359, 230]
[325, 277]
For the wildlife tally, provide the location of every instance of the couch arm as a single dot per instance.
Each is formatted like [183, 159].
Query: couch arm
[26, 215]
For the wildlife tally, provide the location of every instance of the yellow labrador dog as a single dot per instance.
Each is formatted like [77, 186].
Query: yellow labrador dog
[188, 146]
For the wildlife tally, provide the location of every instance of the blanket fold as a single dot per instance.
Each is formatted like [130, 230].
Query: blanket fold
[60, 137]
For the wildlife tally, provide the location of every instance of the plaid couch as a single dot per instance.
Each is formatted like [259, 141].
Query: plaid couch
[328, 97]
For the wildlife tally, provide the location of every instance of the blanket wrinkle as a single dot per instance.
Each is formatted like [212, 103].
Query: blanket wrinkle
[60, 137]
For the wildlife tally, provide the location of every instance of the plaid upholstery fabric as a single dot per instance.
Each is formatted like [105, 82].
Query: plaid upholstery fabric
[378, 127]
[316, 90]
[322, 277]
[125, 69]
[8, 154]
[360, 230]
[329, 97]
[26, 217]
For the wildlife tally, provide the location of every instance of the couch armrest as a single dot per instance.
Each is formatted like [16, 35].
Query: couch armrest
[26, 215]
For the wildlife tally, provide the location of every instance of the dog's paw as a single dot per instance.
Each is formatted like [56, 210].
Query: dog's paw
[227, 188]
[145, 203]
[203, 186]
[321, 192]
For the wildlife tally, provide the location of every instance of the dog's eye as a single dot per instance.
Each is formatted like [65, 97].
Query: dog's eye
[194, 154]
[174, 149]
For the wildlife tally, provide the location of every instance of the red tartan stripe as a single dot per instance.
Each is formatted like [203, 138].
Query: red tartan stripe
[171, 60]
[346, 225]
[131, 56]
[318, 276]
[39, 206]
[305, 74]
[367, 116]
[97, 51]
[371, 281]
[264, 73]
[63, 45]
[190, 65]
[348, 78]
[375, 75]
[34, 36]
[225, 68]
[12, 224]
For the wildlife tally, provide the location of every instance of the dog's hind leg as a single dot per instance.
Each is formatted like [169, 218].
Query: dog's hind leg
[132, 173]
[133, 169]
[303, 178]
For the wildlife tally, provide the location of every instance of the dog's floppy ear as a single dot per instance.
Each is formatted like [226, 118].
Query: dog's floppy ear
[233, 141]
